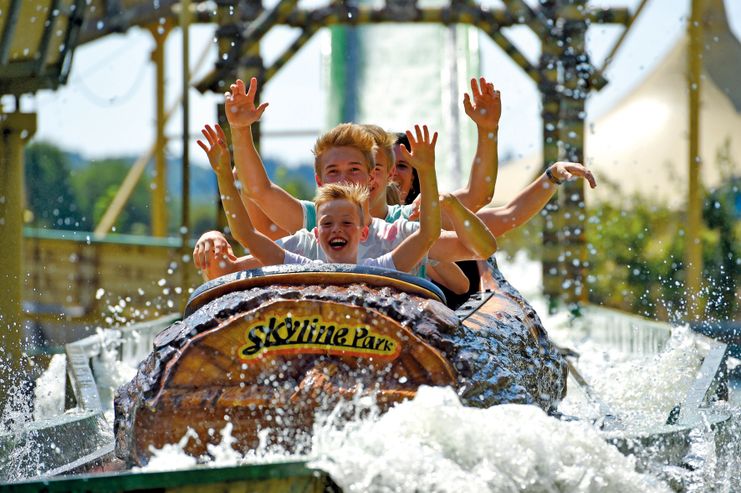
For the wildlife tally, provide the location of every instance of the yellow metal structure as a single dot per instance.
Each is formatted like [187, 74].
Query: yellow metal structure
[15, 130]
[185, 20]
[37, 40]
[38, 37]
[159, 188]
[693, 256]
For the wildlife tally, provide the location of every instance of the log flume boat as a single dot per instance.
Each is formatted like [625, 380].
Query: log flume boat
[266, 349]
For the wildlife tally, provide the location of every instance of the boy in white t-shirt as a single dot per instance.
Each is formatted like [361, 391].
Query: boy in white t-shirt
[341, 220]
[340, 230]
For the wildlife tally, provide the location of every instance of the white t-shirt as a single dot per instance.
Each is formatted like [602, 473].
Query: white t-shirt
[384, 261]
[382, 238]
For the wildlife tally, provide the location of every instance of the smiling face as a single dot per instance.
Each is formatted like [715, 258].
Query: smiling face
[402, 173]
[340, 230]
[343, 164]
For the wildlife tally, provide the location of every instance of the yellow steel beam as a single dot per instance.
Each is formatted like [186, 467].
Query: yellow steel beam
[159, 190]
[15, 130]
[551, 263]
[185, 18]
[693, 258]
[534, 19]
[7, 29]
[576, 88]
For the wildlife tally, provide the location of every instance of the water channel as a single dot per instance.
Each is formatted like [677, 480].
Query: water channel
[434, 443]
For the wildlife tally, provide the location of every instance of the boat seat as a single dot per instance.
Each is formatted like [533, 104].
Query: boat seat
[315, 274]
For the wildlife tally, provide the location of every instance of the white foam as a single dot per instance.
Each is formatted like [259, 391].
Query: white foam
[433, 443]
[49, 391]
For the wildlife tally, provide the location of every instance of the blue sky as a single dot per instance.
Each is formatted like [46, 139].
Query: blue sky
[107, 108]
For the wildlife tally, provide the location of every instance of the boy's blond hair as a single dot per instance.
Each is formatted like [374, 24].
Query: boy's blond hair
[345, 135]
[384, 141]
[352, 192]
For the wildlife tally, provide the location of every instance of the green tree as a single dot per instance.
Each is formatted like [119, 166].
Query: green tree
[96, 185]
[722, 261]
[49, 194]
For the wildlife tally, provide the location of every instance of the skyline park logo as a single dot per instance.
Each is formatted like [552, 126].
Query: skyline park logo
[284, 334]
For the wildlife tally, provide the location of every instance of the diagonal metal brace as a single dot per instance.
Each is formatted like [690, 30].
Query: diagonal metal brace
[252, 36]
[711, 380]
[306, 34]
[488, 23]
[523, 13]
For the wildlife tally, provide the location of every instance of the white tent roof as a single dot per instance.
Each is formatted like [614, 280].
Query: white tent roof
[641, 144]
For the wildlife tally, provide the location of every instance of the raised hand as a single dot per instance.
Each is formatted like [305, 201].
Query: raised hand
[565, 170]
[216, 150]
[240, 104]
[486, 107]
[210, 248]
[422, 155]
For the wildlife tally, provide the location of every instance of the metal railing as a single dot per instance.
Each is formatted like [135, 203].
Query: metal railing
[74, 282]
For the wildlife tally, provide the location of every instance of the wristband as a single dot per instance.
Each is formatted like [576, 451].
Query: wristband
[552, 178]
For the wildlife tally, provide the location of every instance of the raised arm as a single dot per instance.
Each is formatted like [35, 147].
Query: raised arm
[235, 202]
[484, 107]
[220, 160]
[422, 156]
[259, 219]
[533, 198]
[469, 228]
[260, 246]
[280, 206]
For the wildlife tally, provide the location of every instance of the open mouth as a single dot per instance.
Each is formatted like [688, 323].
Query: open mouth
[337, 243]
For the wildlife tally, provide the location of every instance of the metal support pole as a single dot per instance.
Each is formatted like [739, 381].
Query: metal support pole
[229, 35]
[15, 130]
[693, 259]
[552, 217]
[159, 189]
[185, 192]
[576, 75]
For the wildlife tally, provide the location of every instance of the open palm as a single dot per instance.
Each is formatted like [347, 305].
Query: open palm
[486, 107]
[240, 104]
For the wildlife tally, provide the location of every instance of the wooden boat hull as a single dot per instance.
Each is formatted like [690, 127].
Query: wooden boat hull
[267, 349]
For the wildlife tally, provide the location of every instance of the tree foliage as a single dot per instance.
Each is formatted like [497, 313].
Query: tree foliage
[49, 194]
[636, 255]
[95, 187]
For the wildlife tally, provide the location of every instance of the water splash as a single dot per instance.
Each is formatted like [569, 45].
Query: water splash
[49, 391]
[434, 443]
